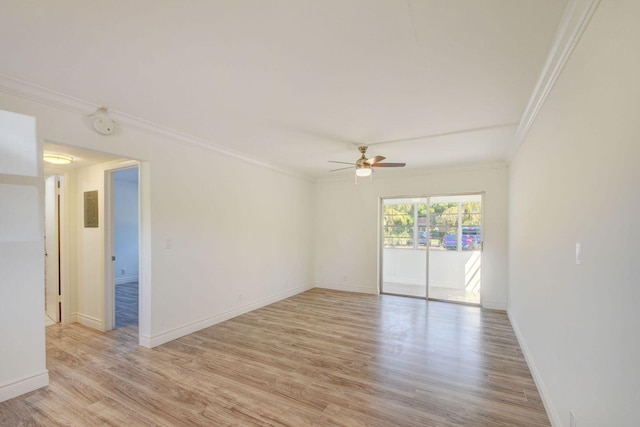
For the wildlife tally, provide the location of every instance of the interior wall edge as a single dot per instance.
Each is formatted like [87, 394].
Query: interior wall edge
[537, 378]
[24, 385]
[181, 331]
[494, 305]
[89, 321]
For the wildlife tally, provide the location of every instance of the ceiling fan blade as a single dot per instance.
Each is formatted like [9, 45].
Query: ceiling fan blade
[376, 159]
[388, 165]
[340, 169]
[345, 163]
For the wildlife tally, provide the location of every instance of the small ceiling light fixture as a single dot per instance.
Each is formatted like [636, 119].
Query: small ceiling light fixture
[363, 170]
[57, 159]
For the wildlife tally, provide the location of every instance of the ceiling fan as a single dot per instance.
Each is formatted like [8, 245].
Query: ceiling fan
[364, 165]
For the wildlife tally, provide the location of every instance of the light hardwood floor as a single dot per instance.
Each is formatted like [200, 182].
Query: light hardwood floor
[319, 358]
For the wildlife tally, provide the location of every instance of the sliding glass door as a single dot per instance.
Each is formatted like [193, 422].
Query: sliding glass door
[432, 247]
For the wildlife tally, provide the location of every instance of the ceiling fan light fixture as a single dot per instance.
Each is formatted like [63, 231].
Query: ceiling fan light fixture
[363, 170]
[57, 159]
[364, 166]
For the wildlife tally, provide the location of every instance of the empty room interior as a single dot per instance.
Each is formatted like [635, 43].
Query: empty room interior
[367, 212]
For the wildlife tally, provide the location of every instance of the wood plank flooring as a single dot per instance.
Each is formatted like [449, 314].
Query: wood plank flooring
[126, 304]
[319, 358]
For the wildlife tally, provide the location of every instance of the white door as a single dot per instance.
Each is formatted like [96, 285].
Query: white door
[52, 258]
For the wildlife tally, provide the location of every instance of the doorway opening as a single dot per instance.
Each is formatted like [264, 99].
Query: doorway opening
[87, 272]
[432, 247]
[125, 232]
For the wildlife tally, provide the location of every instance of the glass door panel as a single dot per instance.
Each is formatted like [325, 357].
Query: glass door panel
[455, 248]
[405, 239]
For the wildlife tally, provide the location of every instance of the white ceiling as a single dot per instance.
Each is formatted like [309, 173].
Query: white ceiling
[297, 83]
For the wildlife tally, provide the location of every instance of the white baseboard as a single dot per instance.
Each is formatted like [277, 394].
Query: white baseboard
[164, 337]
[494, 305]
[88, 321]
[348, 288]
[125, 279]
[551, 412]
[144, 340]
[25, 385]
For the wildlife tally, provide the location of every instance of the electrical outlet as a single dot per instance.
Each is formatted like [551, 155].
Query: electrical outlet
[572, 419]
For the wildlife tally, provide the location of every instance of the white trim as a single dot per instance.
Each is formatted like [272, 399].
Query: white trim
[172, 334]
[144, 340]
[65, 243]
[108, 230]
[144, 253]
[567, 37]
[494, 305]
[27, 90]
[24, 89]
[25, 385]
[546, 400]
[88, 321]
[125, 279]
[348, 288]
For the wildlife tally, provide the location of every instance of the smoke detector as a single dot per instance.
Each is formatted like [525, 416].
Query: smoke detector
[102, 123]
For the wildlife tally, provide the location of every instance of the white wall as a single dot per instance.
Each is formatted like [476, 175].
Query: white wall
[88, 248]
[347, 224]
[221, 235]
[576, 179]
[126, 225]
[22, 342]
[231, 236]
[89, 251]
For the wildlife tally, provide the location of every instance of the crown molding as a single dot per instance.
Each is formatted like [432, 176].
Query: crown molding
[27, 90]
[30, 91]
[443, 134]
[576, 18]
